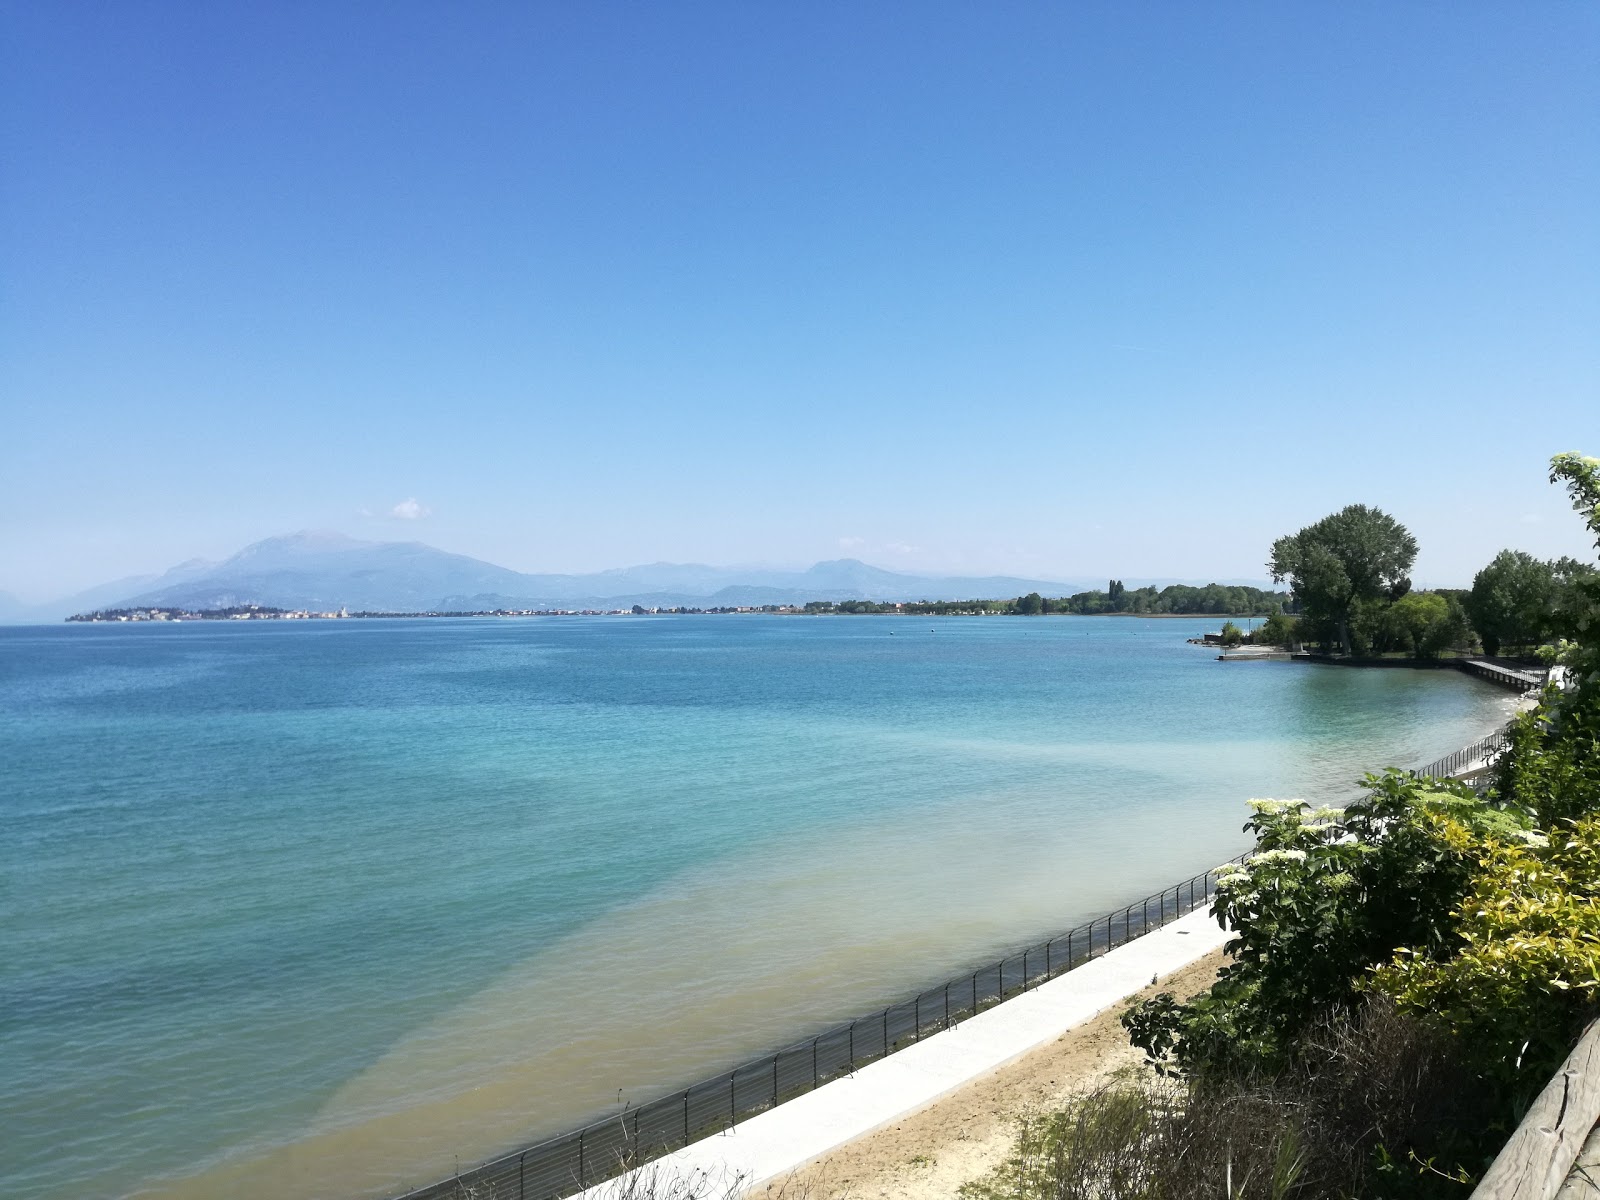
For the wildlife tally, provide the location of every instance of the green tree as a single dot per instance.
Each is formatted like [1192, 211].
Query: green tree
[1346, 566]
[1231, 634]
[1511, 600]
[1279, 629]
[1426, 623]
[1552, 765]
[1031, 605]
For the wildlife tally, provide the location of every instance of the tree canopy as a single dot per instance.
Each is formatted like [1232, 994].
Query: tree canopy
[1351, 560]
[1510, 600]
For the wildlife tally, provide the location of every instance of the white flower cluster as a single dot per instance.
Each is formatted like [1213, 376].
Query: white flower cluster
[1276, 856]
[1274, 807]
[1533, 837]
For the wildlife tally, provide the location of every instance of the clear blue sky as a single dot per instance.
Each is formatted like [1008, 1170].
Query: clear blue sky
[1055, 289]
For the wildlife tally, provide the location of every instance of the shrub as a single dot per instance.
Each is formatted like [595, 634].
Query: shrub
[1527, 974]
[1279, 629]
[1327, 896]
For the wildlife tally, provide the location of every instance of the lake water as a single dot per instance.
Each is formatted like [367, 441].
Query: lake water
[325, 909]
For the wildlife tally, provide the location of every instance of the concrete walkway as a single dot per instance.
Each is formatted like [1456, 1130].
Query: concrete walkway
[786, 1138]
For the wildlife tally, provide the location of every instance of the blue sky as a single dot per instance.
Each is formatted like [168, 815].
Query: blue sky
[1058, 290]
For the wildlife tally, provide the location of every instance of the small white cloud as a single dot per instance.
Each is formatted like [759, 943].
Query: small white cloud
[410, 509]
[900, 548]
[852, 543]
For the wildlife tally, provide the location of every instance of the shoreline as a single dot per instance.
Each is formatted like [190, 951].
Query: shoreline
[968, 1132]
[192, 616]
[803, 1132]
[470, 1023]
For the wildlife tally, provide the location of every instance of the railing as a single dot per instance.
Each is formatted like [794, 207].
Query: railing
[596, 1152]
[1455, 764]
[1522, 681]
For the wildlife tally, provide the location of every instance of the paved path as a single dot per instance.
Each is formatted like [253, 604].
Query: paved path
[786, 1138]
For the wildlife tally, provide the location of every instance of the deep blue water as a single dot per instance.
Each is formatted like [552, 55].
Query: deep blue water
[323, 908]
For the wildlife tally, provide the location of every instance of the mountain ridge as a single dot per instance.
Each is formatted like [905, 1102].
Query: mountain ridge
[327, 571]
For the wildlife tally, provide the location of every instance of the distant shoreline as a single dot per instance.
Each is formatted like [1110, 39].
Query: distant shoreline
[263, 613]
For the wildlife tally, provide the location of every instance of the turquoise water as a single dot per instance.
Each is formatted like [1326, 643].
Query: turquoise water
[325, 908]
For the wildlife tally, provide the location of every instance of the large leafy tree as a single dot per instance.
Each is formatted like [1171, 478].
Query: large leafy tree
[1511, 600]
[1350, 562]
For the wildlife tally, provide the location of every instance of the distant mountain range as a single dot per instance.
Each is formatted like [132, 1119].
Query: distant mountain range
[325, 571]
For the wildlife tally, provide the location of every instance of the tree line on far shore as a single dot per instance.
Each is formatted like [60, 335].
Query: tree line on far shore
[1349, 593]
[1178, 599]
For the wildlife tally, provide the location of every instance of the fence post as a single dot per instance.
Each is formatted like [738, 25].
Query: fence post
[582, 1178]
[774, 1081]
[813, 1064]
[522, 1190]
[1024, 968]
[1047, 942]
[974, 993]
[733, 1105]
[1069, 949]
[916, 1018]
[685, 1116]
[852, 1047]
[886, 1031]
[947, 1006]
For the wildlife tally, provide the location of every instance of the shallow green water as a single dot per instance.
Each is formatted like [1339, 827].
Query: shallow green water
[322, 909]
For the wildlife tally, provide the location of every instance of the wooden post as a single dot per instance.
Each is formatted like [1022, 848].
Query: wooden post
[1539, 1156]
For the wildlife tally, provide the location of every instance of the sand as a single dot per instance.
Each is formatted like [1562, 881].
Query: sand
[968, 1133]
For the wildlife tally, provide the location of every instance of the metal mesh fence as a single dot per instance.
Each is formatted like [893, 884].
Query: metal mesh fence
[596, 1152]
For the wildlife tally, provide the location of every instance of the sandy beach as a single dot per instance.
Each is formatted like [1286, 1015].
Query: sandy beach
[969, 1132]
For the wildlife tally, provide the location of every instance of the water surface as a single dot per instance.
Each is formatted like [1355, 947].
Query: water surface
[325, 908]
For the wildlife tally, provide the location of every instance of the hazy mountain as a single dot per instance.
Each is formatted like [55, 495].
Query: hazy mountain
[105, 595]
[325, 571]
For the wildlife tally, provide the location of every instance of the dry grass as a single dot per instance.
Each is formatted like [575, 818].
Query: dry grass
[1372, 1107]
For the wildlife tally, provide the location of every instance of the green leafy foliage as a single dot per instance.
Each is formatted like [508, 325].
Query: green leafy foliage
[1327, 896]
[1425, 623]
[1280, 629]
[1512, 602]
[1526, 975]
[1344, 567]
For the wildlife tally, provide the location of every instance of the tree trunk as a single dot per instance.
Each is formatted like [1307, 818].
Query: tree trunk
[1344, 635]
